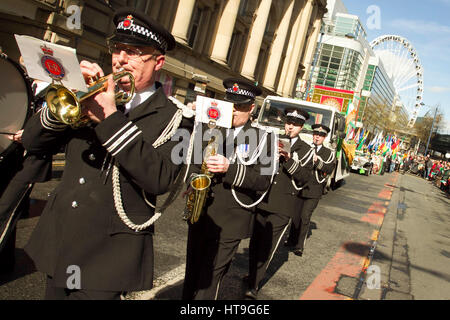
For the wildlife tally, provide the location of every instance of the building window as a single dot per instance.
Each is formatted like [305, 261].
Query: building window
[191, 95]
[195, 26]
[210, 93]
[243, 7]
[232, 45]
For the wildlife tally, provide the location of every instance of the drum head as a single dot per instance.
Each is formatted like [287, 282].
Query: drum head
[15, 97]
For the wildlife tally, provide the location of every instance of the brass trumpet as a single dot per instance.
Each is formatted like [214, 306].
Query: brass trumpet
[65, 105]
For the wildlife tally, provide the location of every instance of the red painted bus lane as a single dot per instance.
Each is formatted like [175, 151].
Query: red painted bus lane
[351, 262]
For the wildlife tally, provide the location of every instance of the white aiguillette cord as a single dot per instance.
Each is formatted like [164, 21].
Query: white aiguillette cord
[308, 156]
[165, 136]
[252, 160]
[330, 160]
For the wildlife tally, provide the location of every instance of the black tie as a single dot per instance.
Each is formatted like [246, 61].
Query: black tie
[121, 108]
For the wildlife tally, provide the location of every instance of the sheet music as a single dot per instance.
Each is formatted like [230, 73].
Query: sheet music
[60, 60]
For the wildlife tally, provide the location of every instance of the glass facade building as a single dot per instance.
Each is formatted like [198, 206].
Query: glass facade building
[338, 67]
[382, 94]
[349, 25]
[347, 62]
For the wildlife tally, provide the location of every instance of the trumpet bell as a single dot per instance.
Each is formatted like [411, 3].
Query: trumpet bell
[63, 104]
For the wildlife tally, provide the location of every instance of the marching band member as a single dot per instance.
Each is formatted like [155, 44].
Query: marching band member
[20, 170]
[94, 238]
[281, 203]
[316, 179]
[229, 211]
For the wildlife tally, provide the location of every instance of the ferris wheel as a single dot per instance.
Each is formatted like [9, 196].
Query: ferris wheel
[403, 66]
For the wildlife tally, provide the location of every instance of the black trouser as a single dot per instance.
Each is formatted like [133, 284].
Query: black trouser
[14, 202]
[300, 222]
[7, 254]
[56, 293]
[268, 230]
[208, 259]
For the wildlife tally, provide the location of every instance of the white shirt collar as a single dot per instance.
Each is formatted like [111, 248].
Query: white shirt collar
[139, 97]
[235, 131]
[39, 86]
[318, 147]
[294, 140]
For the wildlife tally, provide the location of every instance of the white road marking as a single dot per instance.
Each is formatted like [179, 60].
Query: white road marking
[166, 280]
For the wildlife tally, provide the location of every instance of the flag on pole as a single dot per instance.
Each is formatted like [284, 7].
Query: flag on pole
[361, 143]
[397, 147]
[356, 137]
[361, 136]
[372, 143]
[351, 113]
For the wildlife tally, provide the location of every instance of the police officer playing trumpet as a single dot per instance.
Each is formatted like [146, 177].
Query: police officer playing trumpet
[229, 210]
[94, 238]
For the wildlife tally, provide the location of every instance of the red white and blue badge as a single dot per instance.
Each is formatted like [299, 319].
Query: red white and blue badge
[213, 112]
[52, 66]
[128, 22]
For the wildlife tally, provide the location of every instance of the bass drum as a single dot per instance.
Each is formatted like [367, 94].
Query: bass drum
[15, 102]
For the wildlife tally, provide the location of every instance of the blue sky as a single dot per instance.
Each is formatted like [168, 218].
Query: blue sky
[426, 24]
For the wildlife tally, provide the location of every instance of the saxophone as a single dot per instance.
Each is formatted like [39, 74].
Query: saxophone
[200, 184]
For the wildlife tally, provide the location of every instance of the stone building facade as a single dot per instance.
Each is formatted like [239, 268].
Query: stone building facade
[271, 42]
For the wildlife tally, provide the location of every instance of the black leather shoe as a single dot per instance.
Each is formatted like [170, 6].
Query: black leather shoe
[298, 252]
[251, 294]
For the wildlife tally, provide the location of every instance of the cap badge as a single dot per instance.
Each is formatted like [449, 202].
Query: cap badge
[320, 130]
[235, 87]
[128, 22]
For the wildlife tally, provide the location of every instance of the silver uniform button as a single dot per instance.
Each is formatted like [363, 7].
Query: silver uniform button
[74, 204]
[92, 157]
[82, 180]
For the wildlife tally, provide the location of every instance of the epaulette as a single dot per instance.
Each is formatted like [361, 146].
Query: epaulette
[172, 127]
[187, 112]
[261, 127]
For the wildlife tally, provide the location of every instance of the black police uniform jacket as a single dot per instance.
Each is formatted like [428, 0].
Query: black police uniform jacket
[223, 215]
[80, 225]
[283, 195]
[324, 166]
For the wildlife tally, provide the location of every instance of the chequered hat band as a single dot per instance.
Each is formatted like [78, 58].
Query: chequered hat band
[145, 33]
[242, 92]
[321, 130]
[296, 115]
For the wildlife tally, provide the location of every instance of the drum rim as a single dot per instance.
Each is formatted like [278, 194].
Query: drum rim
[27, 82]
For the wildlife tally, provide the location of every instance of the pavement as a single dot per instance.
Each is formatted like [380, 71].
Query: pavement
[412, 251]
[374, 238]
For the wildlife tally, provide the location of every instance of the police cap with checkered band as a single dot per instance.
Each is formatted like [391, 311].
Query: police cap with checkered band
[135, 28]
[320, 129]
[240, 91]
[296, 116]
